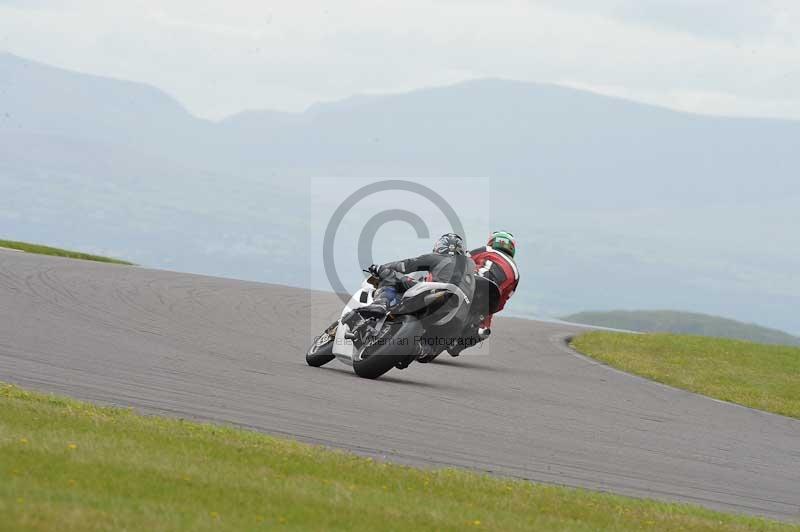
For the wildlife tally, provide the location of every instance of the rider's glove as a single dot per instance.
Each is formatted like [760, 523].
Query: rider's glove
[407, 282]
[374, 269]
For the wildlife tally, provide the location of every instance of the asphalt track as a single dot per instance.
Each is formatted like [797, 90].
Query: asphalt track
[233, 351]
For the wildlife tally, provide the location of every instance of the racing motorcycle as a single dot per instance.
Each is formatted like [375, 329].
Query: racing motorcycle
[373, 345]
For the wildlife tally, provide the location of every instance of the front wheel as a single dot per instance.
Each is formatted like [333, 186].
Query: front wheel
[321, 351]
[395, 345]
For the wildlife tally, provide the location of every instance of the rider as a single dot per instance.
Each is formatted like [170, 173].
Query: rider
[448, 263]
[495, 262]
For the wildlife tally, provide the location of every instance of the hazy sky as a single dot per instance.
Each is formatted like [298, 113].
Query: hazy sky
[738, 57]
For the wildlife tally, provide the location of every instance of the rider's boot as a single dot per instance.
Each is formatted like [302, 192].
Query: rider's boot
[470, 341]
[425, 352]
[381, 300]
[455, 350]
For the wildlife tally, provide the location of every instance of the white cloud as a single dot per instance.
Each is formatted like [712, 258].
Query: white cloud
[731, 57]
[721, 19]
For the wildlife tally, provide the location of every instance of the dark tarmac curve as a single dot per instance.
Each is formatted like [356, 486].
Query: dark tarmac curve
[232, 351]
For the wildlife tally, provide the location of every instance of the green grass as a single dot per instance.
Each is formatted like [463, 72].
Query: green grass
[47, 250]
[677, 322]
[67, 465]
[766, 377]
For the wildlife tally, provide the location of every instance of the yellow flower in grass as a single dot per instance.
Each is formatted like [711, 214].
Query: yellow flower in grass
[214, 515]
[23, 440]
[72, 446]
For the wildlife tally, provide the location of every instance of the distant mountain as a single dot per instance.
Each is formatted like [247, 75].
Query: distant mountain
[40, 98]
[672, 321]
[614, 203]
[561, 145]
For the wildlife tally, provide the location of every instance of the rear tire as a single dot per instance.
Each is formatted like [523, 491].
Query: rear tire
[397, 346]
[320, 354]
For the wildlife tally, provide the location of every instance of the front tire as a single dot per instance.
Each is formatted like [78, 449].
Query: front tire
[396, 346]
[321, 351]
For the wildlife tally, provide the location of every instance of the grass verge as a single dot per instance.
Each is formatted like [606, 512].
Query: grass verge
[766, 377]
[69, 465]
[47, 250]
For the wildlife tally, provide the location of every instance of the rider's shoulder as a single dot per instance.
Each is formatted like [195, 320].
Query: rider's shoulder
[477, 251]
[506, 258]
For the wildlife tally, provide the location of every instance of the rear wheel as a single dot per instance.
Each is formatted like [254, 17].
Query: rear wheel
[393, 346]
[321, 351]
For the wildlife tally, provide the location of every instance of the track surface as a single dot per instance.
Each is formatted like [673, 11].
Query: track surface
[232, 351]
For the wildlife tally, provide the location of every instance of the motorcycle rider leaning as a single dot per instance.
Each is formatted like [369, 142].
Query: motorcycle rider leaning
[448, 263]
[495, 261]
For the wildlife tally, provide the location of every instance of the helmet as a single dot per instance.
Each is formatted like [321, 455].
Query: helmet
[503, 241]
[449, 244]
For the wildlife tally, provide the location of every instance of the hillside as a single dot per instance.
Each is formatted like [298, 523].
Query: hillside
[613, 202]
[547, 141]
[57, 252]
[683, 323]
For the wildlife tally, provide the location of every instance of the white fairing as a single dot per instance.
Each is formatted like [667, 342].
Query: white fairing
[345, 350]
[342, 347]
[356, 302]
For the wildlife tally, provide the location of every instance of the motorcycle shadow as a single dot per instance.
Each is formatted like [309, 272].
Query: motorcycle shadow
[461, 362]
[398, 380]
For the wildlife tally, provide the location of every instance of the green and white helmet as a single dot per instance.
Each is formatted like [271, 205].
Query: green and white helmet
[503, 241]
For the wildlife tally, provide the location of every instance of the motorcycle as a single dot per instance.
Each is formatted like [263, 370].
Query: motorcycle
[372, 345]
